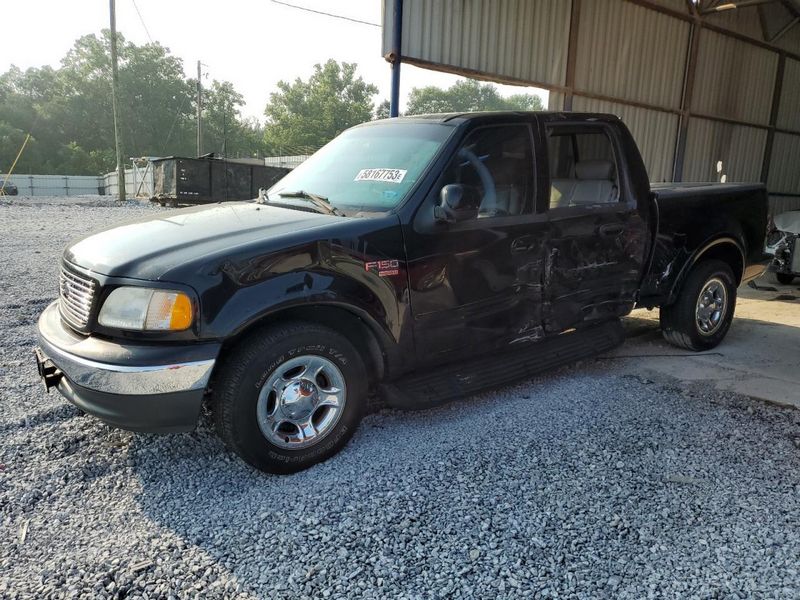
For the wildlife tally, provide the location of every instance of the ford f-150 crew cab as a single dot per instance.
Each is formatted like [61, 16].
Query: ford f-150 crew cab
[421, 258]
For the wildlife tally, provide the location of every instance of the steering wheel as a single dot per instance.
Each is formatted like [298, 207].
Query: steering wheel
[489, 191]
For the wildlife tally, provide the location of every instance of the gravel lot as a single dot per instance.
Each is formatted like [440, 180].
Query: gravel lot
[584, 483]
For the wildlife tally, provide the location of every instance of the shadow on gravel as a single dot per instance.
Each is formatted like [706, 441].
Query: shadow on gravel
[580, 481]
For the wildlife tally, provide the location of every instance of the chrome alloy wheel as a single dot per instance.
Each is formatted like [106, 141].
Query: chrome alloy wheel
[711, 306]
[301, 402]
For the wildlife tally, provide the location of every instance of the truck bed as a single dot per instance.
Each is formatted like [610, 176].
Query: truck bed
[688, 216]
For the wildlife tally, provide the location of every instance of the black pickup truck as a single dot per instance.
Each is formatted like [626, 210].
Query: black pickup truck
[419, 258]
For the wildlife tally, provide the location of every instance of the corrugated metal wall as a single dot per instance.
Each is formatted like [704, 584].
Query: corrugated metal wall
[740, 21]
[779, 204]
[81, 185]
[784, 177]
[653, 130]
[56, 185]
[709, 142]
[789, 111]
[525, 37]
[629, 52]
[734, 79]
[790, 40]
[633, 58]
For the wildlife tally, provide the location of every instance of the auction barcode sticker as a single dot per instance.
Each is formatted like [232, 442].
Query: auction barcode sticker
[387, 175]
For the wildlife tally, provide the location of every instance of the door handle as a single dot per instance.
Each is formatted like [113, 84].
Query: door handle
[611, 230]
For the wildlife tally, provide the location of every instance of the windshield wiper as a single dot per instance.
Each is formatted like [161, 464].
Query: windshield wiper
[321, 202]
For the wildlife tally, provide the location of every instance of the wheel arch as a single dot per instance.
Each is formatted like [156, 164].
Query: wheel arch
[725, 248]
[371, 343]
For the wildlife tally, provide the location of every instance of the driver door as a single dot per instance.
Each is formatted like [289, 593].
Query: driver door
[476, 284]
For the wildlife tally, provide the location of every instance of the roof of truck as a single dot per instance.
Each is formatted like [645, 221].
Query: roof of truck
[489, 115]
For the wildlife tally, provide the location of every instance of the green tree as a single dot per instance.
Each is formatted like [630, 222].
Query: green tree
[467, 96]
[68, 111]
[21, 95]
[304, 115]
[382, 110]
[225, 132]
[153, 94]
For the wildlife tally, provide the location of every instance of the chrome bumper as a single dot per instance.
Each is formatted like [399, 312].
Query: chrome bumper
[129, 370]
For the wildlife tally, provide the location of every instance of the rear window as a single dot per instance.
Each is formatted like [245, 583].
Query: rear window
[583, 167]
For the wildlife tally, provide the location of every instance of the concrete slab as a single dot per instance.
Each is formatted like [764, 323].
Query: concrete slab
[760, 357]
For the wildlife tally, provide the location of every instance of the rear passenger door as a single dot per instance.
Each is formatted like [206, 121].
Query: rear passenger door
[598, 238]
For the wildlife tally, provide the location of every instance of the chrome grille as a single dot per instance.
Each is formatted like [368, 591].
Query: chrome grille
[75, 297]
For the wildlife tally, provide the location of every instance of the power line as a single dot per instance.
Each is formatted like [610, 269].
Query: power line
[142, 21]
[327, 14]
[174, 122]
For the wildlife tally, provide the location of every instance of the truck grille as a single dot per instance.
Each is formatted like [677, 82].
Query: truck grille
[75, 298]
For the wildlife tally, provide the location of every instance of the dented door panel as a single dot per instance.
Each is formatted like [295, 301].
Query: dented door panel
[596, 262]
[477, 287]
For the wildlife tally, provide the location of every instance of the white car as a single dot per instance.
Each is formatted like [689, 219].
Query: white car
[783, 245]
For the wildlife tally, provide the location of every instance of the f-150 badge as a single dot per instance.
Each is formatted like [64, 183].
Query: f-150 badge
[384, 268]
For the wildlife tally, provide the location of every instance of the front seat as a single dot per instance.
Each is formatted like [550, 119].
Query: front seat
[511, 173]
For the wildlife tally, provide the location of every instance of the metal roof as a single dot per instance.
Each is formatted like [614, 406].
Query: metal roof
[696, 82]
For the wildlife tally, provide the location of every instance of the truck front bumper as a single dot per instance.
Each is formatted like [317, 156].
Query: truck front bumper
[153, 388]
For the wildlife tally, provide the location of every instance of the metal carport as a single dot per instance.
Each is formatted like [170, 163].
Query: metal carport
[698, 83]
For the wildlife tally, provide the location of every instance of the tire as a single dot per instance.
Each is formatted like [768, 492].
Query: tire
[784, 278]
[687, 324]
[262, 424]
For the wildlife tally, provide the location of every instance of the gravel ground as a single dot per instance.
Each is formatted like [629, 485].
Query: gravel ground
[584, 483]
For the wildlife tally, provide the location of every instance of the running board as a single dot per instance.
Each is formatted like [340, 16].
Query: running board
[449, 382]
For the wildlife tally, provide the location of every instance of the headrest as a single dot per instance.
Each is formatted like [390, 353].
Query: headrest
[594, 169]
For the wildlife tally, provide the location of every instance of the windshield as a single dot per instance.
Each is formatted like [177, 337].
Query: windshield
[367, 168]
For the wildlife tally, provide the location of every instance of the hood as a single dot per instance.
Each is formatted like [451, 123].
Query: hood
[148, 248]
[788, 222]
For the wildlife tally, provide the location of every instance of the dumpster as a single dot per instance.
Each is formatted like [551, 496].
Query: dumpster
[180, 180]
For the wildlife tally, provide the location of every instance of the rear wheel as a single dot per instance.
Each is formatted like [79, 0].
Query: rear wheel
[701, 316]
[289, 396]
[784, 278]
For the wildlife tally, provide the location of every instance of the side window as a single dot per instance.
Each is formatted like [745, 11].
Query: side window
[583, 168]
[492, 173]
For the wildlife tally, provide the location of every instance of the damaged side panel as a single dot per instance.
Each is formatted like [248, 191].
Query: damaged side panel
[594, 266]
[480, 286]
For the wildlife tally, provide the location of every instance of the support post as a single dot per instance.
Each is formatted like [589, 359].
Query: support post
[133, 172]
[115, 100]
[199, 111]
[397, 34]
[572, 53]
[686, 100]
[773, 117]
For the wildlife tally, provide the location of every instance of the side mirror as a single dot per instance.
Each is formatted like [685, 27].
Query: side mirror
[456, 203]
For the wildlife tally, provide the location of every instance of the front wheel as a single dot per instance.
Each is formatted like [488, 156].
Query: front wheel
[701, 316]
[289, 396]
[784, 278]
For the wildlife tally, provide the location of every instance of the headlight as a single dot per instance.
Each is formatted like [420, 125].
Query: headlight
[146, 309]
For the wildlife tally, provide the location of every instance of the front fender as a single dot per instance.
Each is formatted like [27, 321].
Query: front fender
[246, 292]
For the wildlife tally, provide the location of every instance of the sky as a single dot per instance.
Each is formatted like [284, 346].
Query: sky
[252, 43]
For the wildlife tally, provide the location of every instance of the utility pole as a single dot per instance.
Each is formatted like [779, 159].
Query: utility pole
[199, 112]
[115, 101]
